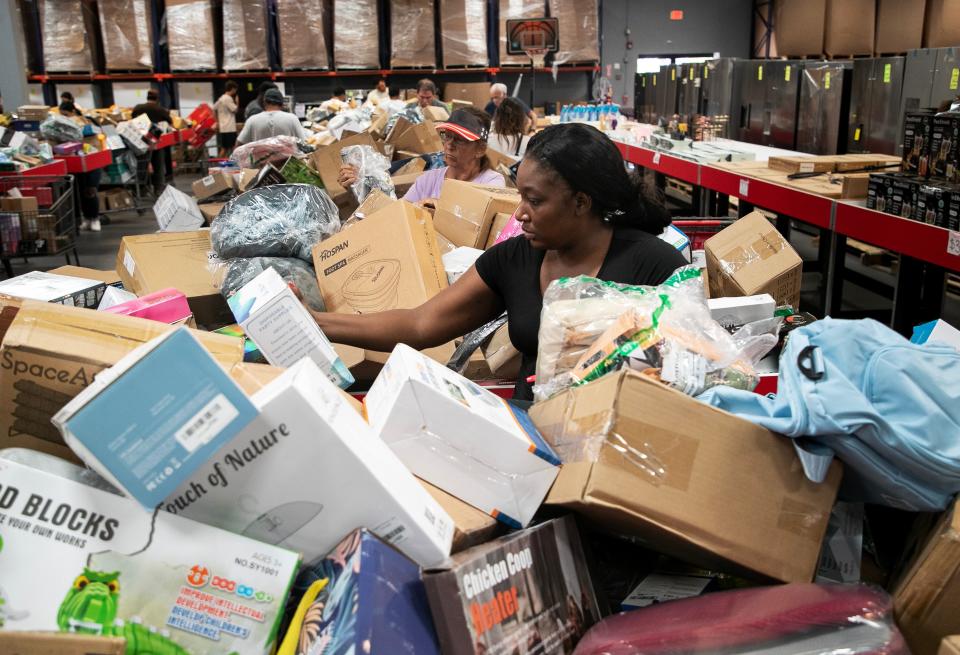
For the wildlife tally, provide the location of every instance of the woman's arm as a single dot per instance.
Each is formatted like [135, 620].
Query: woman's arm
[455, 311]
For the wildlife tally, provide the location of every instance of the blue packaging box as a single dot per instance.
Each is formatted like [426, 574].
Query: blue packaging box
[149, 422]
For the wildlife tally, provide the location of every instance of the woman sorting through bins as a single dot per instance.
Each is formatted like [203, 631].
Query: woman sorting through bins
[581, 213]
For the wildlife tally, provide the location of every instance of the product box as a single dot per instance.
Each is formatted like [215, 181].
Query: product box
[750, 257]
[284, 331]
[210, 211]
[377, 588]
[50, 353]
[917, 129]
[926, 598]
[953, 211]
[676, 238]
[503, 359]
[61, 643]
[941, 26]
[151, 420]
[176, 211]
[499, 222]
[460, 437]
[527, 592]
[163, 583]
[849, 27]
[938, 330]
[944, 138]
[899, 26]
[903, 198]
[950, 646]
[465, 211]
[736, 312]
[179, 260]
[471, 527]
[932, 204]
[52, 288]
[19, 205]
[167, 306]
[109, 278]
[265, 483]
[800, 27]
[640, 461]
[212, 185]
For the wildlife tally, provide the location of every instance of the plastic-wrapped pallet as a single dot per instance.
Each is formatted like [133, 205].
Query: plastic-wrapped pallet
[413, 38]
[579, 32]
[356, 36]
[303, 44]
[517, 9]
[190, 38]
[127, 36]
[245, 35]
[67, 42]
[463, 33]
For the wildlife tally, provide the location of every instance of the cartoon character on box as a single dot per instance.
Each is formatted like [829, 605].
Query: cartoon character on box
[7, 612]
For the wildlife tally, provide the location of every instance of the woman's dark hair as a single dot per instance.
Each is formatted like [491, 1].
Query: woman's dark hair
[67, 96]
[263, 88]
[339, 91]
[589, 162]
[508, 121]
[484, 119]
[66, 105]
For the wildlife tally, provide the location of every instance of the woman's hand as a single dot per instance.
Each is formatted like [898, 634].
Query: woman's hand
[348, 175]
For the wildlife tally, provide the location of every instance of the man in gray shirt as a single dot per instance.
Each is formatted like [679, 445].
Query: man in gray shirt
[273, 121]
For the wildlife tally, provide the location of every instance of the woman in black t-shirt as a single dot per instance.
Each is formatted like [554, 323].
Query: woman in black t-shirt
[581, 214]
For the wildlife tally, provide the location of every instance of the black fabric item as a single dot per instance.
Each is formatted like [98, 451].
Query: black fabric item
[239, 271]
[89, 200]
[156, 112]
[492, 108]
[512, 270]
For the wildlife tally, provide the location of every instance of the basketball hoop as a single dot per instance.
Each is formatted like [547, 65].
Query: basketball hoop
[537, 55]
[534, 37]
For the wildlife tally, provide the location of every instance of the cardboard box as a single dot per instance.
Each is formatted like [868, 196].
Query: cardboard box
[214, 184]
[579, 30]
[19, 205]
[465, 211]
[420, 139]
[415, 165]
[503, 359]
[53, 288]
[46, 643]
[303, 25]
[192, 45]
[150, 421]
[176, 211]
[750, 257]
[109, 278]
[150, 577]
[471, 527]
[800, 27]
[328, 162]
[736, 312]
[119, 199]
[375, 201]
[950, 646]
[179, 260]
[460, 437]
[944, 149]
[899, 26]
[435, 114]
[500, 221]
[476, 93]
[303, 420]
[413, 38]
[50, 353]
[679, 485]
[926, 598]
[502, 596]
[210, 211]
[941, 26]
[402, 183]
[849, 27]
[284, 331]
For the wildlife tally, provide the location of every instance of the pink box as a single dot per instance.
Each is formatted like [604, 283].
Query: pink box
[165, 306]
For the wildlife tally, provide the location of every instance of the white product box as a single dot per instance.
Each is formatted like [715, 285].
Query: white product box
[307, 471]
[737, 311]
[460, 437]
[77, 558]
[676, 238]
[59, 289]
[273, 318]
[177, 212]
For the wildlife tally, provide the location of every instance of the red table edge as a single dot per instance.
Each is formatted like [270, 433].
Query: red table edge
[88, 162]
[56, 167]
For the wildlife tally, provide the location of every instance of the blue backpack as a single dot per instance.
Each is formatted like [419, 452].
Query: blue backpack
[887, 408]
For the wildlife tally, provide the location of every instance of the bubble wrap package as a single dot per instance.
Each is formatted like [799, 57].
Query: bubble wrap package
[60, 129]
[354, 120]
[240, 270]
[373, 171]
[283, 220]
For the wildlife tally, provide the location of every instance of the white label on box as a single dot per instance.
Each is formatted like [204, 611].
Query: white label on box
[953, 243]
[207, 423]
[744, 187]
[684, 370]
[806, 167]
[658, 588]
[208, 180]
[656, 159]
[128, 262]
[286, 333]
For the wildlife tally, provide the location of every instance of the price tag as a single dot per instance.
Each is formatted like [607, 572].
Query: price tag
[249, 86]
[744, 187]
[826, 80]
[760, 72]
[953, 243]
[786, 74]
[691, 72]
[806, 167]
[886, 73]
[673, 74]
[954, 79]
[656, 159]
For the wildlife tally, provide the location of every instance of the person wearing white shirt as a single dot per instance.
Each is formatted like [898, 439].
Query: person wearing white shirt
[272, 121]
[507, 135]
[226, 108]
[380, 94]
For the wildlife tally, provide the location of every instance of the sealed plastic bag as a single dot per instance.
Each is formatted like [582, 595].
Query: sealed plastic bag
[373, 171]
[354, 120]
[275, 149]
[240, 270]
[60, 129]
[282, 220]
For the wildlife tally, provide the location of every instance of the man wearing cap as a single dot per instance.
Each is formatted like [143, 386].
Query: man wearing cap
[272, 121]
[464, 137]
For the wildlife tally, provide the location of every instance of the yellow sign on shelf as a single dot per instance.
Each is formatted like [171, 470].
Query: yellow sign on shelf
[856, 134]
[760, 72]
[786, 73]
[886, 73]
[954, 79]
[826, 80]
[673, 74]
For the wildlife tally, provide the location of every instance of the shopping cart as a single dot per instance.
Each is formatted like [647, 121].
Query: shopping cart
[50, 230]
[698, 230]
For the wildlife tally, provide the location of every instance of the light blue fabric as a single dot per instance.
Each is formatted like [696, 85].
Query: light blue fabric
[887, 408]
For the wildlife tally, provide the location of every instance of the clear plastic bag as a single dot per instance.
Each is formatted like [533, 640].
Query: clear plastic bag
[266, 151]
[241, 270]
[282, 220]
[354, 120]
[373, 171]
[60, 129]
[411, 113]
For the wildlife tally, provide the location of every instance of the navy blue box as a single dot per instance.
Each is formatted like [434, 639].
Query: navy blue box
[26, 126]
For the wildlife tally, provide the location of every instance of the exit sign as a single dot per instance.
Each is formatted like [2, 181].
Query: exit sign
[676, 14]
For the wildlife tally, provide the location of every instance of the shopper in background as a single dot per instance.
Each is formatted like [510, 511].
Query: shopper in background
[379, 94]
[581, 213]
[226, 108]
[497, 93]
[87, 183]
[157, 113]
[66, 96]
[339, 93]
[464, 137]
[508, 133]
[427, 95]
[255, 106]
[272, 121]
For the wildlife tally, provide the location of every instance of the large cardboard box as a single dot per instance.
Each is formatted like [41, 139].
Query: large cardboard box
[941, 26]
[471, 527]
[690, 480]
[849, 27]
[245, 35]
[749, 258]
[179, 260]
[303, 41]
[190, 35]
[950, 646]
[68, 31]
[421, 139]
[463, 33]
[927, 596]
[800, 26]
[356, 35]
[48, 643]
[50, 353]
[109, 278]
[899, 26]
[579, 30]
[412, 34]
[214, 184]
[466, 212]
[125, 26]
[477, 93]
[499, 222]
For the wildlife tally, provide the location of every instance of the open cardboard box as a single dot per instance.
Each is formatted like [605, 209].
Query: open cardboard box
[466, 212]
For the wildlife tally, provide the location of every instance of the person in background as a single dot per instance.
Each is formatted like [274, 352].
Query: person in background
[581, 214]
[339, 93]
[254, 107]
[497, 93]
[464, 137]
[379, 94]
[427, 95]
[66, 96]
[272, 121]
[226, 108]
[87, 183]
[157, 113]
[507, 134]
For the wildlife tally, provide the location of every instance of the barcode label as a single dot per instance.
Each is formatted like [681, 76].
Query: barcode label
[806, 167]
[206, 424]
[656, 158]
[208, 180]
[128, 263]
[744, 187]
[393, 534]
